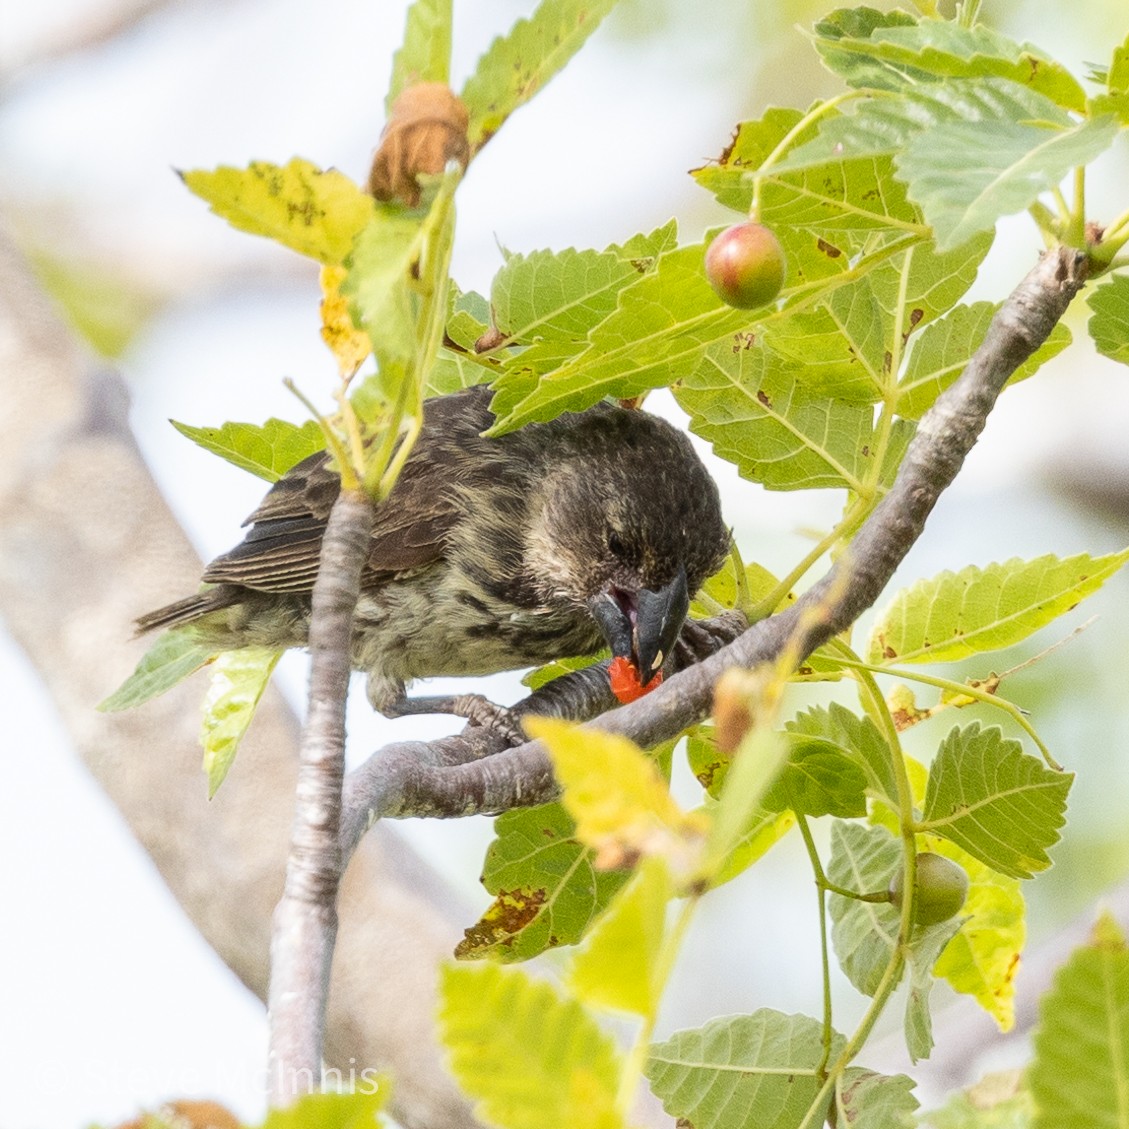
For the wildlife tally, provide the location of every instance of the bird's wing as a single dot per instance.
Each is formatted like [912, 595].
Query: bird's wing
[410, 529]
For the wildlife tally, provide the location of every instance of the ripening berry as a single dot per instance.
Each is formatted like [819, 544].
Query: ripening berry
[942, 887]
[625, 682]
[745, 265]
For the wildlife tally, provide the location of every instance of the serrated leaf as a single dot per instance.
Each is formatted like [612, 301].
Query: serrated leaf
[564, 294]
[944, 348]
[268, 450]
[983, 958]
[954, 615]
[876, 1101]
[171, 659]
[1109, 320]
[617, 967]
[518, 64]
[1080, 1075]
[966, 175]
[527, 1055]
[312, 212]
[865, 934]
[721, 588]
[818, 778]
[756, 415]
[1003, 807]
[616, 795]
[890, 53]
[927, 945]
[546, 886]
[358, 1110]
[238, 681]
[661, 327]
[745, 1070]
[425, 54]
[858, 738]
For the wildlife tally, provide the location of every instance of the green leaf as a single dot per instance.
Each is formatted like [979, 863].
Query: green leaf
[922, 956]
[379, 286]
[944, 348]
[518, 64]
[892, 52]
[1080, 1075]
[954, 615]
[358, 1110]
[865, 934]
[618, 966]
[238, 681]
[425, 54]
[846, 346]
[858, 738]
[171, 659]
[742, 1070]
[763, 830]
[1003, 807]
[966, 175]
[756, 414]
[526, 1054]
[659, 331]
[818, 779]
[269, 450]
[1109, 321]
[562, 295]
[547, 889]
[876, 1101]
[982, 959]
[312, 212]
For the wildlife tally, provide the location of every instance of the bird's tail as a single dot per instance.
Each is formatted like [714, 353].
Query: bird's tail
[188, 610]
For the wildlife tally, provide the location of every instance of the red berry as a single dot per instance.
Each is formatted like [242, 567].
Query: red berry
[745, 265]
[625, 681]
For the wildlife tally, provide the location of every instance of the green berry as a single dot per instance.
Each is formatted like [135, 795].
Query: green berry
[942, 887]
[745, 265]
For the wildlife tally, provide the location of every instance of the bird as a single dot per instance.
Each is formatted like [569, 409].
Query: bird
[490, 553]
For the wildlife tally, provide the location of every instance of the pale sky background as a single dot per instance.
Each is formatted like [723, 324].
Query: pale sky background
[108, 999]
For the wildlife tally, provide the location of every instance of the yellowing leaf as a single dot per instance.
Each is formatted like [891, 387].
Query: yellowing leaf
[346, 342]
[983, 958]
[617, 966]
[529, 1056]
[312, 212]
[238, 681]
[616, 795]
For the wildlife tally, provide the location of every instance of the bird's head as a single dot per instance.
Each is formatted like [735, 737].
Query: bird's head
[627, 522]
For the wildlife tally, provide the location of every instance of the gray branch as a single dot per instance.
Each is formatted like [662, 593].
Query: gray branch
[458, 777]
[305, 922]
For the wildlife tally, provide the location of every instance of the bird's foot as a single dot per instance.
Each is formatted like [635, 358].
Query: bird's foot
[474, 707]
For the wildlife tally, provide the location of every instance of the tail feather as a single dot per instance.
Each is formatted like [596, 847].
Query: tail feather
[189, 609]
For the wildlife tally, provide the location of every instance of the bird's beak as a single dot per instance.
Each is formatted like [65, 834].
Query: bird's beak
[643, 626]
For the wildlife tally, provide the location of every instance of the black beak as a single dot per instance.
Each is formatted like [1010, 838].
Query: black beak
[643, 626]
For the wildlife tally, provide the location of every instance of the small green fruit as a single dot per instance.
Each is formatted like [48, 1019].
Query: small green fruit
[745, 265]
[942, 887]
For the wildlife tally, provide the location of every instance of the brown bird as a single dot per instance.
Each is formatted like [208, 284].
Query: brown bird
[489, 554]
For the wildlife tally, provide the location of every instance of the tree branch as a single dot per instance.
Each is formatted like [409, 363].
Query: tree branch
[398, 781]
[305, 922]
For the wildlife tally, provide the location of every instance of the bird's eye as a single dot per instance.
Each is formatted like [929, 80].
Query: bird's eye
[615, 543]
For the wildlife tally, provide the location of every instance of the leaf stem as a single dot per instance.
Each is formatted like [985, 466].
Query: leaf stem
[821, 886]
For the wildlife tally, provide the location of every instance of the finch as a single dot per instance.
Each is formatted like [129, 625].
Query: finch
[490, 553]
